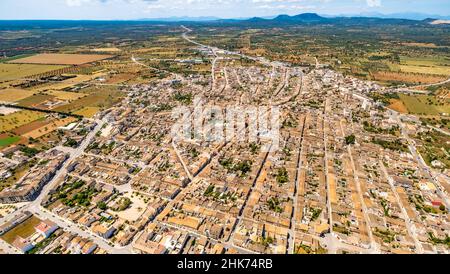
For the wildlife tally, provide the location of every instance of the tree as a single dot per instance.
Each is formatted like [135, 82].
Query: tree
[102, 205]
[350, 140]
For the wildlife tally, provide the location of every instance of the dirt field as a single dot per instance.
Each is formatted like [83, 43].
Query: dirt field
[43, 130]
[62, 59]
[18, 119]
[120, 78]
[9, 72]
[88, 112]
[106, 50]
[35, 100]
[406, 77]
[66, 96]
[69, 82]
[398, 105]
[30, 127]
[103, 98]
[421, 45]
[14, 95]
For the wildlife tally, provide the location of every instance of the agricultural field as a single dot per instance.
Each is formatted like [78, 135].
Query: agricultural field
[78, 79]
[398, 106]
[18, 119]
[15, 95]
[425, 104]
[425, 61]
[62, 59]
[435, 70]
[9, 72]
[65, 95]
[426, 66]
[88, 112]
[48, 128]
[121, 78]
[99, 98]
[402, 77]
[30, 126]
[8, 140]
[35, 100]
[106, 50]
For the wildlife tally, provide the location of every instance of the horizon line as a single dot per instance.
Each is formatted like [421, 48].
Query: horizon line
[216, 18]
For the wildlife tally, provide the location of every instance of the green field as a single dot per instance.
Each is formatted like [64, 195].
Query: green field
[425, 104]
[425, 61]
[100, 98]
[5, 60]
[425, 65]
[438, 70]
[8, 141]
[35, 99]
[88, 112]
[24, 230]
[10, 72]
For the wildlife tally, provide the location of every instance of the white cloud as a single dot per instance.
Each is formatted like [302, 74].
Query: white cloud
[373, 3]
[76, 3]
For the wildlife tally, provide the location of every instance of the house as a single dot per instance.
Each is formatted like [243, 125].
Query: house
[436, 203]
[105, 232]
[22, 244]
[88, 248]
[46, 228]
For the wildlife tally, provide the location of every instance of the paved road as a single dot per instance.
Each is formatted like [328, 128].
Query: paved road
[8, 249]
[440, 130]
[325, 141]
[418, 158]
[61, 173]
[291, 233]
[79, 230]
[240, 217]
[373, 245]
[35, 206]
[177, 76]
[274, 65]
[414, 89]
[409, 224]
[432, 85]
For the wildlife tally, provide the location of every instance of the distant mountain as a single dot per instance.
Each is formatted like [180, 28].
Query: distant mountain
[313, 18]
[280, 19]
[404, 15]
[182, 19]
[304, 17]
[307, 18]
[284, 18]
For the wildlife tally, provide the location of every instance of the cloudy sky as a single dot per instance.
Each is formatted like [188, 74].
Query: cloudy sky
[136, 9]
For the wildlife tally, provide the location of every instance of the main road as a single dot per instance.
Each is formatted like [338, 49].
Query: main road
[36, 208]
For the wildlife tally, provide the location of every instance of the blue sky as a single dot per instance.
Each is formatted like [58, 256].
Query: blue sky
[136, 9]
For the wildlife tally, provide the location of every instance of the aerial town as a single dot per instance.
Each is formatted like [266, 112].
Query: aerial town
[89, 163]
